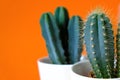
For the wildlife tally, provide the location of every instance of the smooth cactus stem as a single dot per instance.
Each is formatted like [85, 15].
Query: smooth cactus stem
[50, 33]
[62, 19]
[75, 32]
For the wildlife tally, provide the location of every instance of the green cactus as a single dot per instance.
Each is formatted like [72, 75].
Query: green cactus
[75, 32]
[50, 33]
[118, 50]
[62, 19]
[55, 32]
[99, 42]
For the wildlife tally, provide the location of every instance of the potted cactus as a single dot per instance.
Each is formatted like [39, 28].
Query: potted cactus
[64, 42]
[99, 42]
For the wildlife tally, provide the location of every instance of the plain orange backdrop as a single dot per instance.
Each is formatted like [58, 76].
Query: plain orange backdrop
[21, 42]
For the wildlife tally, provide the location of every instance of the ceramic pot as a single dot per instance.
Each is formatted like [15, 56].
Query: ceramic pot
[80, 71]
[49, 71]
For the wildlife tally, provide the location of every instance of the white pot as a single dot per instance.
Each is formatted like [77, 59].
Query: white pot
[49, 71]
[81, 70]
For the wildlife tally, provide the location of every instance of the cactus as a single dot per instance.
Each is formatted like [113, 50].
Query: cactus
[50, 33]
[55, 32]
[99, 42]
[118, 50]
[62, 19]
[75, 32]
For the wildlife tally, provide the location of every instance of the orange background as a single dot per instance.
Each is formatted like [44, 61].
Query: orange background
[21, 42]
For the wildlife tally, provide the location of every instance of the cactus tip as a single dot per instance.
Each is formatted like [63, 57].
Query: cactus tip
[99, 10]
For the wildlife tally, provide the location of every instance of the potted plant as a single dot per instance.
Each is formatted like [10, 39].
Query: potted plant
[64, 42]
[99, 42]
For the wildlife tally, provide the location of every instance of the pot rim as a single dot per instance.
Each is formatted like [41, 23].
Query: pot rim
[42, 61]
[86, 61]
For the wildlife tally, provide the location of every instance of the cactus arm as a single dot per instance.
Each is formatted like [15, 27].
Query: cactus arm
[50, 33]
[62, 19]
[75, 32]
[92, 44]
[118, 50]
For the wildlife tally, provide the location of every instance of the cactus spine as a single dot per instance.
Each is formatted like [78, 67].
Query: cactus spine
[99, 42]
[118, 50]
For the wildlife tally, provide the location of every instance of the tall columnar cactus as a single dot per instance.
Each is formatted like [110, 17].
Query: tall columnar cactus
[118, 51]
[50, 33]
[75, 32]
[99, 42]
[62, 19]
[63, 48]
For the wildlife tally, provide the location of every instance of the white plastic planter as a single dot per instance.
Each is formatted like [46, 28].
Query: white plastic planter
[81, 70]
[49, 71]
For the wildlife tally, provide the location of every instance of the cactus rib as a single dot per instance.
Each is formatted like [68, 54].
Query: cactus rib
[118, 50]
[62, 19]
[50, 33]
[75, 32]
[91, 38]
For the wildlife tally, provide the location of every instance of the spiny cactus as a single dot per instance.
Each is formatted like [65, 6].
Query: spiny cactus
[75, 31]
[118, 50]
[63, 48]
[99, 42]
